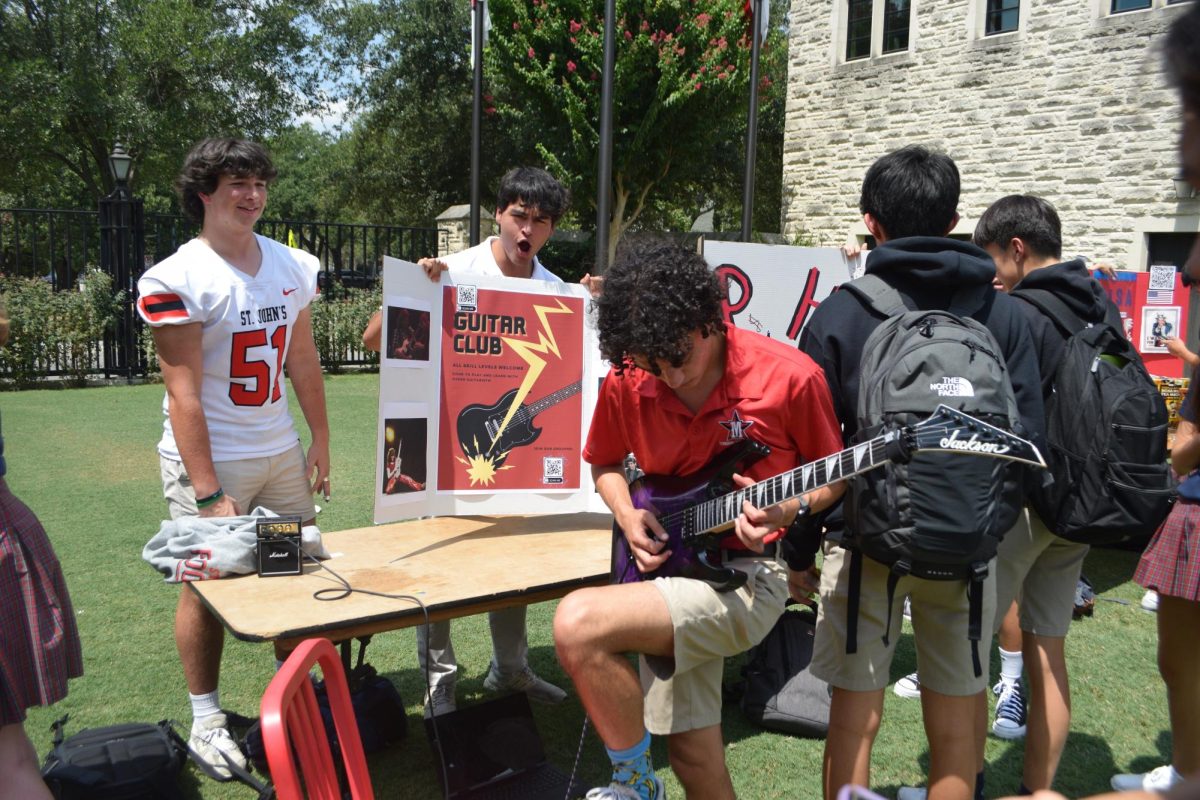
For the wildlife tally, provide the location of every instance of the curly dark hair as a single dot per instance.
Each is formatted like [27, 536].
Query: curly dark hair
[208, 160]
[655, 294]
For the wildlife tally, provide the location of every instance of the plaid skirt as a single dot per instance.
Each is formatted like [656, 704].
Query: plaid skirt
[1171, 562]
[39, 643]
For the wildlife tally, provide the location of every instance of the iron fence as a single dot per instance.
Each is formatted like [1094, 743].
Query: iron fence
[59, 246]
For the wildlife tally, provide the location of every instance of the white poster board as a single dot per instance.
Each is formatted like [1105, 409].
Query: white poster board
[486, 389]
[774, 289]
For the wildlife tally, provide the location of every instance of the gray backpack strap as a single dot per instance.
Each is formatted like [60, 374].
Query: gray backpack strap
[879, 295]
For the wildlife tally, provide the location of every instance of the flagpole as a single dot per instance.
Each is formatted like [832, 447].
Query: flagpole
[604, 159]
[751, 124]
[476, 113]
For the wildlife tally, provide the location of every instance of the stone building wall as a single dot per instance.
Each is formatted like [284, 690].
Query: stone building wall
[1073, 106]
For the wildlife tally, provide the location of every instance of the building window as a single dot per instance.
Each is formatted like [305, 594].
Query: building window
[874, 27]
[1129, 5]
[858, 29]
[1003, 16]
[895, 25]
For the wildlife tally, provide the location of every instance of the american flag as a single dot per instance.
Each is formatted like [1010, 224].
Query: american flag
[1160, 297]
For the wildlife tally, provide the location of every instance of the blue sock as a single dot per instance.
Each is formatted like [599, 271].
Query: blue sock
[632, 767]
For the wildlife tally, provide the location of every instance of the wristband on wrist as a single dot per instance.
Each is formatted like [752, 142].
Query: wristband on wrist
[205, 502]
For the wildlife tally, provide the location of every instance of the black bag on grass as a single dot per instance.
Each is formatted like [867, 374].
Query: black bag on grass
[378, 709]
[132, 761]
[780, 693]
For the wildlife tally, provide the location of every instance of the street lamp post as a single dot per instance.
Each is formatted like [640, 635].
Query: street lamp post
[122, 249]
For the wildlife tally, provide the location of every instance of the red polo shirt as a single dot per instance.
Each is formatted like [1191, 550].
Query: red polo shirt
[769, 392]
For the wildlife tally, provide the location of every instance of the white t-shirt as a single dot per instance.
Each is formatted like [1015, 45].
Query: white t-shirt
[246, 329]
[481, 261]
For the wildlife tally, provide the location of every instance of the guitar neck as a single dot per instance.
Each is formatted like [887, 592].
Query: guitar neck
[715, 515]
[550, 399]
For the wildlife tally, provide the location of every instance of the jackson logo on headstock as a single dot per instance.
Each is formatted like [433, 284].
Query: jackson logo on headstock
[972, 445]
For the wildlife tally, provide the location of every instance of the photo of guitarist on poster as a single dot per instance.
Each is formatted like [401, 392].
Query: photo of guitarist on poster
[407, 334]
[512, 371]
[403, 468]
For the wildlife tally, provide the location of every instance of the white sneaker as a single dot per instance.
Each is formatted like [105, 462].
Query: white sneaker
[908, 686]
[620, 791]
[440, 700]
[211, 742]
[524, 681]
[1150, 600]
[1159, 779]
[911, 793]
[907, 613]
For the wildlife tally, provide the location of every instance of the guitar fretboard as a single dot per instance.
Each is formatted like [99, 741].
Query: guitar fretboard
[719, 513]
[534, 409]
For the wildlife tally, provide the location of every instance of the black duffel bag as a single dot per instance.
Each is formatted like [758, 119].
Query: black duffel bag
[780, 693]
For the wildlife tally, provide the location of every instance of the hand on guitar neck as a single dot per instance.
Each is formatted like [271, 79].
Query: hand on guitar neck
[753, 525]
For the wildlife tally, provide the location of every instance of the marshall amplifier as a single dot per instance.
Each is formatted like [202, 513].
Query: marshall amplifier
[278, 546]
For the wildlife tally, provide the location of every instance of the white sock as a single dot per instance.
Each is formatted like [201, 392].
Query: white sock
[205, 705]
[1011, 664]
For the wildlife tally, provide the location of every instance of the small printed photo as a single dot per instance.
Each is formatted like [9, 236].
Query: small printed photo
[1159, 323]
[406, 337]
[403, 469]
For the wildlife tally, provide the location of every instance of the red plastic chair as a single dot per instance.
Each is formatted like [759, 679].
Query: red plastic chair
[293, 732]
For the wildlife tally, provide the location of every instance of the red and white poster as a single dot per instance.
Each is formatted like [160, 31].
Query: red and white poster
[486, 390]
[1154, 308]
[511, 384]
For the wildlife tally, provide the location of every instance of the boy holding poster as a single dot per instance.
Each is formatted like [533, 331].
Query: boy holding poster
[528, 205]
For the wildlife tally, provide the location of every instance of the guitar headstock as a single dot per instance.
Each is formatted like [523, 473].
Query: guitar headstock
[953, 431]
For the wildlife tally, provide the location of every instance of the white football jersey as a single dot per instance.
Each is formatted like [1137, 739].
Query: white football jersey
[246, 327]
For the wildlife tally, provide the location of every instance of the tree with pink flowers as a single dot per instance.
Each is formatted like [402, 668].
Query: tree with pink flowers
[680, 83]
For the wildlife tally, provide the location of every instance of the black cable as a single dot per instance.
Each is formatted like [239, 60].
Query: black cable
[345, 591]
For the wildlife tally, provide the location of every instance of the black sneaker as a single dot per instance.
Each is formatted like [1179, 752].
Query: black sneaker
[1010, 710]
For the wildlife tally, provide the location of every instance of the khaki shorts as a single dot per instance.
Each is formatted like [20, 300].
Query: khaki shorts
[277, 483]
[940, 614]
[1039, 570]
[684, 693]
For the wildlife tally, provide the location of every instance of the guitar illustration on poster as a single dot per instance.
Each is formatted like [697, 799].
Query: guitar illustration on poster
[511, 376]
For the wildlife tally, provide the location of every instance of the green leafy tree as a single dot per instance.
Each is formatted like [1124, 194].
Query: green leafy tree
[410, 145]
[680, 81]
[155, 75]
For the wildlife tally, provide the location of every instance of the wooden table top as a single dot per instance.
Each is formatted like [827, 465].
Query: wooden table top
[457, 566]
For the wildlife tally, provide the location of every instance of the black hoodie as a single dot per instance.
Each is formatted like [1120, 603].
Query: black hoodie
[1071, 283]
[926, 271]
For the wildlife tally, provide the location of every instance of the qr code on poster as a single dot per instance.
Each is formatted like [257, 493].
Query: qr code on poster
[466, 298]
[1162, 276]
[552, 469]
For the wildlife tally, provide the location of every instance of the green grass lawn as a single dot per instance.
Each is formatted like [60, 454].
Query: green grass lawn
[84, 461]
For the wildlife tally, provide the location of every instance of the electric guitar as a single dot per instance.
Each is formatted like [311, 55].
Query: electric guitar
[479, 426]
[697, 510]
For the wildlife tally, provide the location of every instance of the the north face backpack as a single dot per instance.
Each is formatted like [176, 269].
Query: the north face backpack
[939, 516]
[1106, 428]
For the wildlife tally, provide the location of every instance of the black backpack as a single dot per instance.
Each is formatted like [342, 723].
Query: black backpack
[780, 693]
[1106, 429]
[133, 761]
[939, 516]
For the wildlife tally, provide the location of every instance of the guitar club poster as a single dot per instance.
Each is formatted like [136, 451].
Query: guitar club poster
[511, 377]
[486, 387]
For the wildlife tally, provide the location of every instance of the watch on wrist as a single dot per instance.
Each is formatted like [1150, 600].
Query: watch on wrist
[803, 511]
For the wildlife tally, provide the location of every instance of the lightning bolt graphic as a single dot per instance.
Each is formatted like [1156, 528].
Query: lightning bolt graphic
[528, 351]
